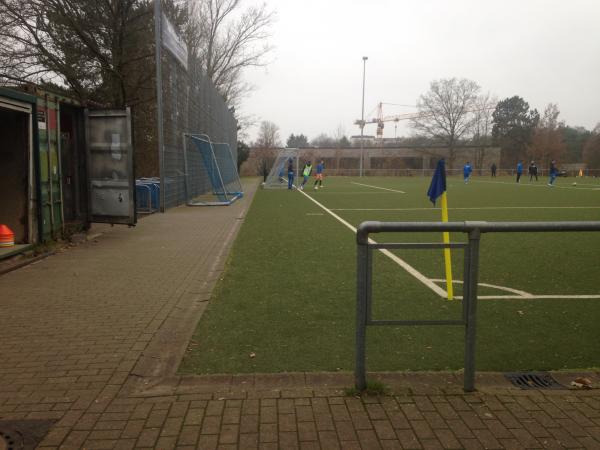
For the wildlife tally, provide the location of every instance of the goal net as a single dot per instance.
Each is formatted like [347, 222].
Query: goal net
[211, 176]
[278, 176]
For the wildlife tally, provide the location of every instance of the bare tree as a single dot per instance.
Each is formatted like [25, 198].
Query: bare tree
[340, 138]
[550, 117]
[245, 123]
[446, 111]
[265, 147]
[268, 135]
[484, 106]
[99, 49]
[591, 150]
[227, 40]
[547, 140]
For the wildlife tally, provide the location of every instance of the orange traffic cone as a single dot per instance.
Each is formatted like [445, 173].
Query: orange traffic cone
[7, 237]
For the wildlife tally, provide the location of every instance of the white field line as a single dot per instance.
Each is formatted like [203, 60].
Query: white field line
[533, 297]
[542, 185]
[410, 269]
[466, 208]
[430, 283]
[377, 187]
[355, 193]
[519, 294]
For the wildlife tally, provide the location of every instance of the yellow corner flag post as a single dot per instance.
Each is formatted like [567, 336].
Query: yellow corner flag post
[437, 188]
[447, 255]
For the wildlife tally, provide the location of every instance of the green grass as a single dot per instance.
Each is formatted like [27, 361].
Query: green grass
[288, 294]
[373, 387]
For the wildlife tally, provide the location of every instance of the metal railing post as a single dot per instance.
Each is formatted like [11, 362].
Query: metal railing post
[369, 284]
[471, 280]
[362, 256]
[465, 300]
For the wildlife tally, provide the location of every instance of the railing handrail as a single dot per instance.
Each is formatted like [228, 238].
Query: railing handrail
[473, 229]
[368, 227]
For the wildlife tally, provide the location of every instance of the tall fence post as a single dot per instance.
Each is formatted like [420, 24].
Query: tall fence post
[362, 256]
[159, 101]
[188, 191]
[471, 308]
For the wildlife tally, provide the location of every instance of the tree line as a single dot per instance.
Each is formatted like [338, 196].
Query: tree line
[454, 112]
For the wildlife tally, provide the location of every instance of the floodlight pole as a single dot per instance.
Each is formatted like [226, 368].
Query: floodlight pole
[159, 101]
[362, 116]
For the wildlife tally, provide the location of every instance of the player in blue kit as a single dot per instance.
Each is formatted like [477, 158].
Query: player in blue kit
[319, 175]
[519, 171]
[553, 173]
[467, 169]
[290, 171]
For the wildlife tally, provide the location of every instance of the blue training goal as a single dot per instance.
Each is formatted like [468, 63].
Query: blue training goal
[211, 176]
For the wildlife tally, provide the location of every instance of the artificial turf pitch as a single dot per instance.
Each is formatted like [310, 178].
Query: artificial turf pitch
[288, 295]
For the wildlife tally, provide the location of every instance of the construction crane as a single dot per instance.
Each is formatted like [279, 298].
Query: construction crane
[381, 119]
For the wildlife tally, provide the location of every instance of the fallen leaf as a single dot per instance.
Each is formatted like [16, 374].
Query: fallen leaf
[582, 383]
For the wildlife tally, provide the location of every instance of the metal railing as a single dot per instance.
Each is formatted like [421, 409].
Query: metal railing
[364, 284]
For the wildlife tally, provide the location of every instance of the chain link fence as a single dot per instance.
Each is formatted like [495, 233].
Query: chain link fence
[189, 103]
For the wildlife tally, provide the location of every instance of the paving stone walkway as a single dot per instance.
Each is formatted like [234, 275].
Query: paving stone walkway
[91, 337]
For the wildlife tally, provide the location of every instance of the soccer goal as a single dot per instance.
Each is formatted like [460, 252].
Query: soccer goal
[278, 176]
[211, 176]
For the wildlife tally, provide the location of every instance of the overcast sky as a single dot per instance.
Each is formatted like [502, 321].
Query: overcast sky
[542, 50]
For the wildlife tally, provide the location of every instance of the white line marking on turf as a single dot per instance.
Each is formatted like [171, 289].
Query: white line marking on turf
[520, 294]
[377, 187]
[533, 297]
[410, 269]
[466, 208]
[356, 193]
[430, 283]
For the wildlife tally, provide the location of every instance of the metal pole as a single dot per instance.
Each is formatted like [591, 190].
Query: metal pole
[471, 316]
[362, 255]
[297, 177]
[362, 116]
[59, 163]
[465, 293]
[159, 102]
[369, 284]
[185, 170]
[49, 165]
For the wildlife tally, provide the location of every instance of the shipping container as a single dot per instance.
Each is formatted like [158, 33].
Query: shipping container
[62, 166]
[19, 158]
